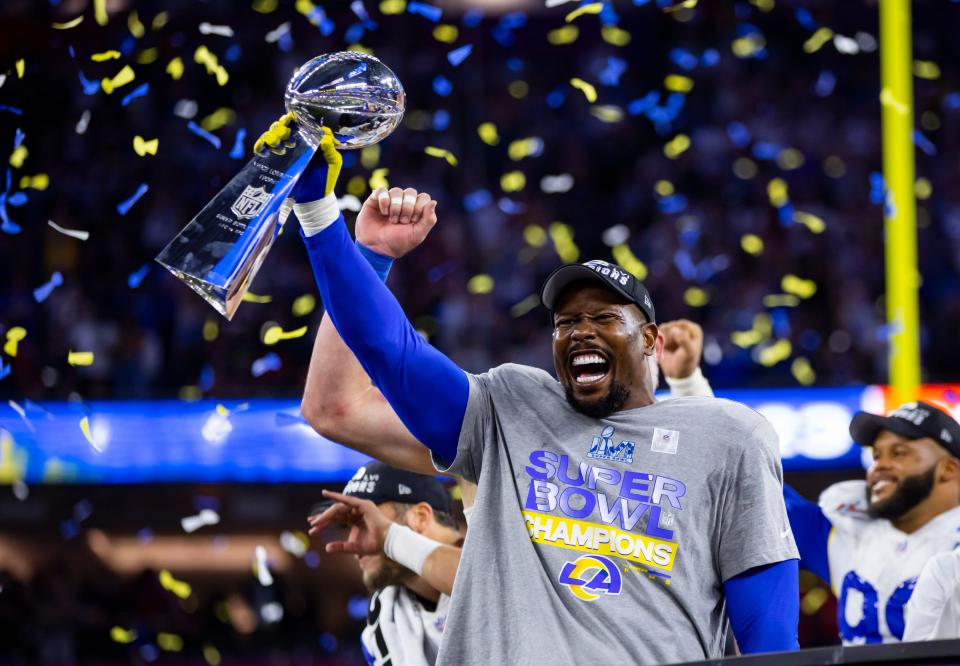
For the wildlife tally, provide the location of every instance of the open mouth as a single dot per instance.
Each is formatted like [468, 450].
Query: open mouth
[882, 486]
[588, 367]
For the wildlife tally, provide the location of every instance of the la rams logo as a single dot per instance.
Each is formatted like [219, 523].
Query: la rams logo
[590, 576]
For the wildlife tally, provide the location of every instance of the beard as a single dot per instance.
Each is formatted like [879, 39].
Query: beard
[612, 402]
[908, 494]
[387, 574]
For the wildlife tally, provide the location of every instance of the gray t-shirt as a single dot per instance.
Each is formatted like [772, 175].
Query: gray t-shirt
[607, 538]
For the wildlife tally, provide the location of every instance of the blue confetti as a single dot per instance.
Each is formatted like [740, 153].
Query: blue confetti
[204, 134]
[556, 98]
[781, 322]
[738, 134]
[441, 120]
[923, 143]
[785, 214]
[428, 12]
[354, 33]
[766, 150]
[608, 15]
[145, 535]
[640, 106]
[41, 293]
[878, 188]
[357, 8]
[515, 64]
[825, 84]
[12, 109]
[477, 200]
[511, 207]
[610, 76]
[357, 607]
[349, 159]
[18, 138]
[233, 53]
[672, 204]
[139, 91]
[82, 510]
[458, 55]
[17, 199]
[442, 85]
[69, 529]
[124, 206]
[810, 340]
[710, 58]
[640, 3]
[238, 151]
[805, 18]
[952, 101]
[472, 18]
[685, 265]
[135, 278]
[127, 45]
[262, 366]
[207, 377]
[285, 42]
[513, 20]
[5, 369]
[683, 59]
[89, 87]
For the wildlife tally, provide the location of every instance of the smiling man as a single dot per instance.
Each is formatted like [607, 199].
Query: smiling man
[605, 523]
[870, 539]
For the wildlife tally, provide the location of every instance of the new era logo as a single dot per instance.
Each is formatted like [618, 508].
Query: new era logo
[403, 490]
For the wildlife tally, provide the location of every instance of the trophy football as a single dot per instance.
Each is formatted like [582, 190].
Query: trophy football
[220, 251]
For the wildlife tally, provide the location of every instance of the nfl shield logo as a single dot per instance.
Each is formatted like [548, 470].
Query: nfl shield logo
[250, 202]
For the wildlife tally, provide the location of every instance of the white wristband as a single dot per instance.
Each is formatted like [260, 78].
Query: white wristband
[315, 216]
[694, 385]
[285, 209]
[406, 547]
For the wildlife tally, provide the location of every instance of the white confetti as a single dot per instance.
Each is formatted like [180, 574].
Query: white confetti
[555, 184]
[271, 612]
[222, 30]
[185, 108]
[556, 3]
[349, 202]
[83, 122]
[846, 45]
[263, 572]
[277, 33]
[618, 233]
[73, 233]
[293, 545]
[20, 490]
[194, 523]
[866, 41]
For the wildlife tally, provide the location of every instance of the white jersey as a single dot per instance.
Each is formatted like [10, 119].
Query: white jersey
[402, 628]
[874, 566]
[933, 612]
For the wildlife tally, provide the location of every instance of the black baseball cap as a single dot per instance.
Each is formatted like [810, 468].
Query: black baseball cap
[379, 483]
[609, 275]
[915, 420]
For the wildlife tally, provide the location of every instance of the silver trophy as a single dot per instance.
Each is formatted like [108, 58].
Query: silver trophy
[219, 252]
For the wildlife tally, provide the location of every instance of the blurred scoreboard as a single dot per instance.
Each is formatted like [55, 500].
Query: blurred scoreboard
[269, 441]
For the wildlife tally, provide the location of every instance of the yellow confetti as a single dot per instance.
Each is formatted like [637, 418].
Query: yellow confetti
[696, 297]
[623, 255]
[370, 156]
[566, 35]
[251, 297]
[211, 655]
[775, 353]
[85, 429]
[211, 330]
[518, 89]
[887, 98]
[13, 459]
[275, 334]
[762, 326]
[171, 584]
[521, 148]
[148, 56]
[446, 33]
[763, 5]
[802, 371]
[488, 134]
[392, 7]
[513, 181]
[534, 235]
[360, 48]
[752, 244]
[588, 90]
[143, 147]
[524, 306]
[379, 178]
[121, 635]
[777, 192]
[209, 60]
[924, 69]
[160, 20]
[798, 286]
[264, 6]
[175, 68]
[745, 47]
[100, 11]
[744, 168]
[123, 77]
[169, 642]
[922, 188]
[135, 26]
[677, 83]
[789, 159]
[357, 186]
[607, 113]
[222, 411]
[810, 221]
[18, 156]
[21, 65]
[676, 146]
[69, 24]
[106, 55]
[217, 119]
[562, 237]
[780, 301]
[80, 358]
[14, 336]
[615, 36]
[813, 601]
[433, 151]
[39, 182]
[592, 8]
[304, 305]
[663, 188]
[816, 41]
[480, 284]
[686, 4]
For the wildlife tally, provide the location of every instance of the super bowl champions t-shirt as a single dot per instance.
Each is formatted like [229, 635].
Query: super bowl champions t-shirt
[607, 538]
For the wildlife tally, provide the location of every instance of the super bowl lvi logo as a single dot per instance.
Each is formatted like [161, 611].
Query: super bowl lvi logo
[250, 202]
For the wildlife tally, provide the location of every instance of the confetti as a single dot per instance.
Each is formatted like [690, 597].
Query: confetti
[686, 4]
[175, 68]
[121, 635]
[433, 151]
[771, 355]
[480, 284]
[845, 45]
[488, 133]
[304, 305]
[780, 301]
[80, 358]
[12, 109]
[278, 33]
[816, 41]
[526, 305]
[676, 146]
[607, 113]
[213, 139]
[557, 184]
[106, 55]
[20, 66]
[38, 182]
[531, 146]
[142, 147]
[14, 335]
[562, 236]
[588, 90]
[777, 192]
[924, 69]
[68, 24]
[446, 34]
[696, 297]
[274, 334]
[457, 56]
[260, 567]
[797, 286]
[135, 26]
[73, 233]
[221, 30]
[251, 297]
[615, 36]
[210, 654]
[296, 543]
[205, 518]
[205, 57]
[169, 642]
[139, 91]
[124, 206]
[83, 122]
[513, 181]
[615, 235]
[752, 244]
[623, 255]
[677, 83]
[238, 150]
[534, 235]
[429, 12]
[568, 34]
[123, 77]
[41, 293]
[135, 278]
[265, 364]
[5, 369]
[18, 156]
[592, 8]
[171, 584]
[810, 221]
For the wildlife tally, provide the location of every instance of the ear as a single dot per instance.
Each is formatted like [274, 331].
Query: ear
[658, 348]
[949, 469]
[652, 340]
[419, 517]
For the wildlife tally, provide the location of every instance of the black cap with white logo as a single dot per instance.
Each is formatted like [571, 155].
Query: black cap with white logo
[915, 420]
[379, 483]
[607, 274]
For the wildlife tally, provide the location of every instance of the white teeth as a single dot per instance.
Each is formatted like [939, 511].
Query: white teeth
[587, 379]
[586, 359]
